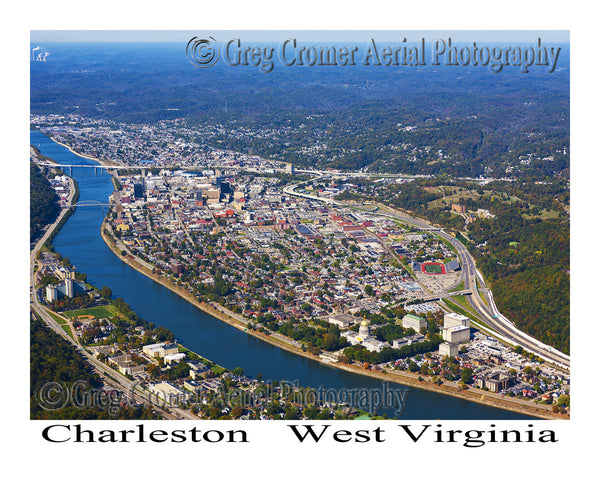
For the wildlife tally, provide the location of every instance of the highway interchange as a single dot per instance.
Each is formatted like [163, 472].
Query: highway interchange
[487, 312]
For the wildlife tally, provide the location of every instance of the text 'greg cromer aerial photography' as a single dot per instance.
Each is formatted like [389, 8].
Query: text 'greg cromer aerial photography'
[304, 225]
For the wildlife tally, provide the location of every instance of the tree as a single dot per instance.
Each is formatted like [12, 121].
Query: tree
[325, 414]
[153, 370]
[106, 292]
[330, 341]
[344, 359]
[466, 376]
[291, 413]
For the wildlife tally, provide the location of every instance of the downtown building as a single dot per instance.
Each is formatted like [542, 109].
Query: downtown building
[69, 287]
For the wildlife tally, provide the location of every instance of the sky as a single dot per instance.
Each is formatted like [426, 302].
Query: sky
[513, 36]
[62, 21]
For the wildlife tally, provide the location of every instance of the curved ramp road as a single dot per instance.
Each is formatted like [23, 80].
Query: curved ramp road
[80, 240]
[488, 313]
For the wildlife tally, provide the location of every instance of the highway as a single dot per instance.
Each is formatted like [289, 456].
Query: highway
[490, 315]
[129, 388]
[112, 377]
[486, 311]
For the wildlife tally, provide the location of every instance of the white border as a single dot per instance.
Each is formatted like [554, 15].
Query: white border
[277, 455]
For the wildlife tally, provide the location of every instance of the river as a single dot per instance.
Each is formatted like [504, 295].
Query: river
[80, 241]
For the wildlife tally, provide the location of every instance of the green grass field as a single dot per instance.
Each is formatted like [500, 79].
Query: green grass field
[433, 268]
[59, 320]
[98, 312]
[460, 286]
[67, 330]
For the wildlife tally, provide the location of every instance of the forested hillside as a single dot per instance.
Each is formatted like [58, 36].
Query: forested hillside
[55, 363]
[528, 269]
[521, 244]
[44, 208]
[466, 122]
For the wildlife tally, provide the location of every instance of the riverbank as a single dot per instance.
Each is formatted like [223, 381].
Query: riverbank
[104, 163]
[405, 378]
[400, 377]
[67, 210]
[34, 152]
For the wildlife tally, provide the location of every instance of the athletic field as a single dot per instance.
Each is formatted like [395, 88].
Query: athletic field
[433, 268]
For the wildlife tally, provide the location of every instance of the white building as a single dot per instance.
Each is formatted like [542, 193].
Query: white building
[69, 290]
[193, 385]
[364, 332]
[152, 350]
[413, 321]
[401, 342]
[174, 358]
[343, 320]
[169, 393]
[51, 293]
[374, 345]
[364, 337]
[160, 350]
[449, 349]
[198, 368]
[454, 319]
[456, 334]
[350, 336]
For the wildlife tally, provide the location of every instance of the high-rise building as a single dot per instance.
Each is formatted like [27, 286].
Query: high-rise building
[449, 349]
[455, 319]
[51, 293]
[456, 334]
[69, 289]
[138, 190]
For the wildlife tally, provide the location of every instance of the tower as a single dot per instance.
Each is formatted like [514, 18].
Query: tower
[69, 287]
[51, 293]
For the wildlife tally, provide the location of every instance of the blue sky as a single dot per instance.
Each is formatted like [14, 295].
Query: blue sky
[512, 36]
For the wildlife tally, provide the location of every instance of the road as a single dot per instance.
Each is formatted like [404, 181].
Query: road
[130, 388]
[486, 311]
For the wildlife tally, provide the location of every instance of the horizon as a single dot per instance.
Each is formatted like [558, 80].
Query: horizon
[177, 36]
